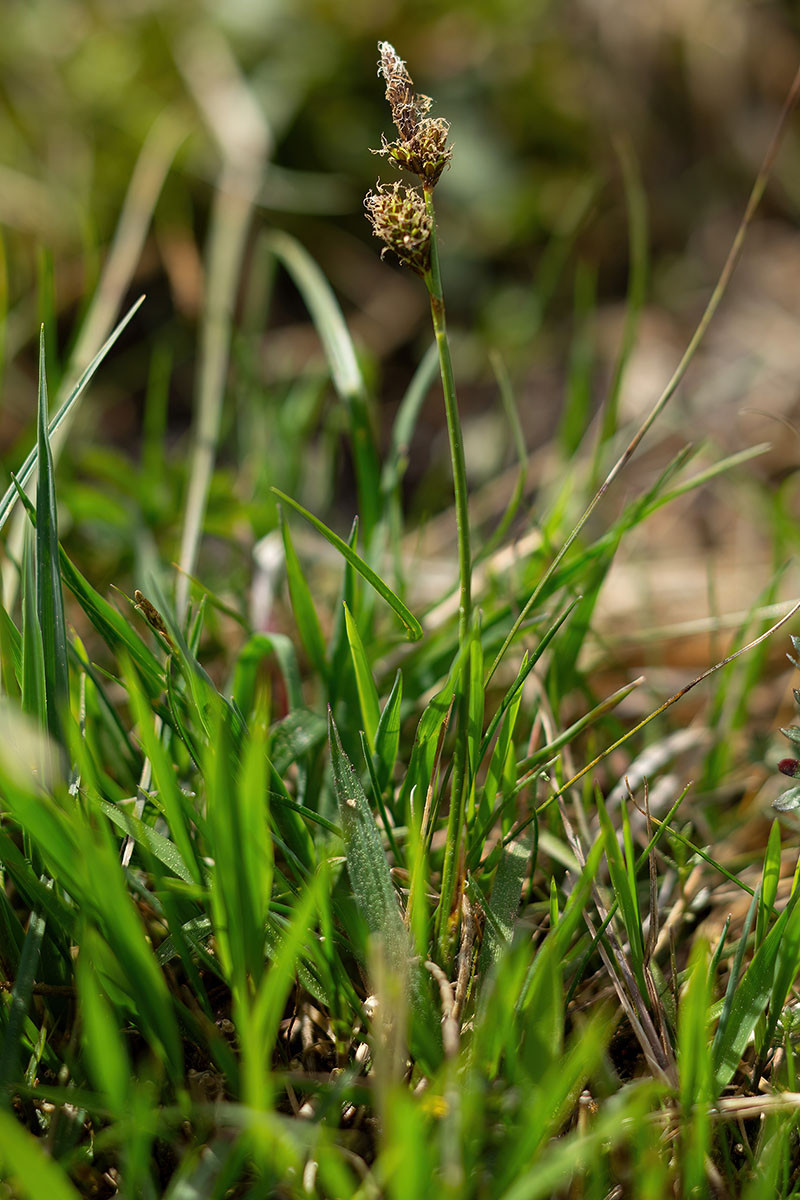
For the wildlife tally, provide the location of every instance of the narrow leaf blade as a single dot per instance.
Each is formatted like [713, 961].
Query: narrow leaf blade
[49, 598]
[366, 572]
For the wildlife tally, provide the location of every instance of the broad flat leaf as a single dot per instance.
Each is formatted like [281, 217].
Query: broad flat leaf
[377, 901]
[505, 898]
[366, 862]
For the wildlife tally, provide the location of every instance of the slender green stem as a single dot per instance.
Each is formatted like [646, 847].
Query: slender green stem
[455, 821]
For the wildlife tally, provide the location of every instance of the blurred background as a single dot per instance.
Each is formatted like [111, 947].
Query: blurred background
[147, 147]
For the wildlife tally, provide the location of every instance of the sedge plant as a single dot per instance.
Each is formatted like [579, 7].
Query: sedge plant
[405, 221]
[242, 954]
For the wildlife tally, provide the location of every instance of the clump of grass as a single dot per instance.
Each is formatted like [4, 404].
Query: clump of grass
[345, 924]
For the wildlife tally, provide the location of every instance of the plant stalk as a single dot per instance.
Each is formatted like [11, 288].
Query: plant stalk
[455, 820]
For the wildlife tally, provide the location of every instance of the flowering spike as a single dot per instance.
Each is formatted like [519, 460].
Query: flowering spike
[422, 146]
[399, 90]
[399, 218]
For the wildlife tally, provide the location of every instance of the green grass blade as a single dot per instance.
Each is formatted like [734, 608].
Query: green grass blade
[770, 877]
[239, 844]
[341, 679]
[543, 1011]
[164, 776]
[769, 1175]
[10, 654]
[548, 1105]
[107, 1057]
[34, 695]
[529, 662]
[786, 968]
[396, 460]
[476, 705]
[379, 801]
[624, 893]
[413, 627]
[735, 972]
[500, 787]
[387, 735]
[508, 699]
[20, 1002]
[325, 312]
[114, 629]
[421, 764]
[12, 935]
[497, 763]
[301, 731]
[36, 893]
[260, 1019]
[159, 846]
[305, 614]
[345, 372]
[367, 692]
[49, 598]
[694, 1064]
[26, 470]
[750, 1001]
[28, 1166]
[637, 945]
[109, 623]
[245, 676]
[119, 924]
[563, 739]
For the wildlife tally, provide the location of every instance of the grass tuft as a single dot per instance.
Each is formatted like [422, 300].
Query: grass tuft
[322, 899]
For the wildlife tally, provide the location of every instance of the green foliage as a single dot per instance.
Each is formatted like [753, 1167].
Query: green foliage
[290, 905]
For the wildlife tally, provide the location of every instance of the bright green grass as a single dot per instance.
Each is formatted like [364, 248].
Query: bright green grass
[317, 917]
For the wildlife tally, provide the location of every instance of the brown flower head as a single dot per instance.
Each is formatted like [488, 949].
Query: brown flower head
[422, 146]
[399, 218]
